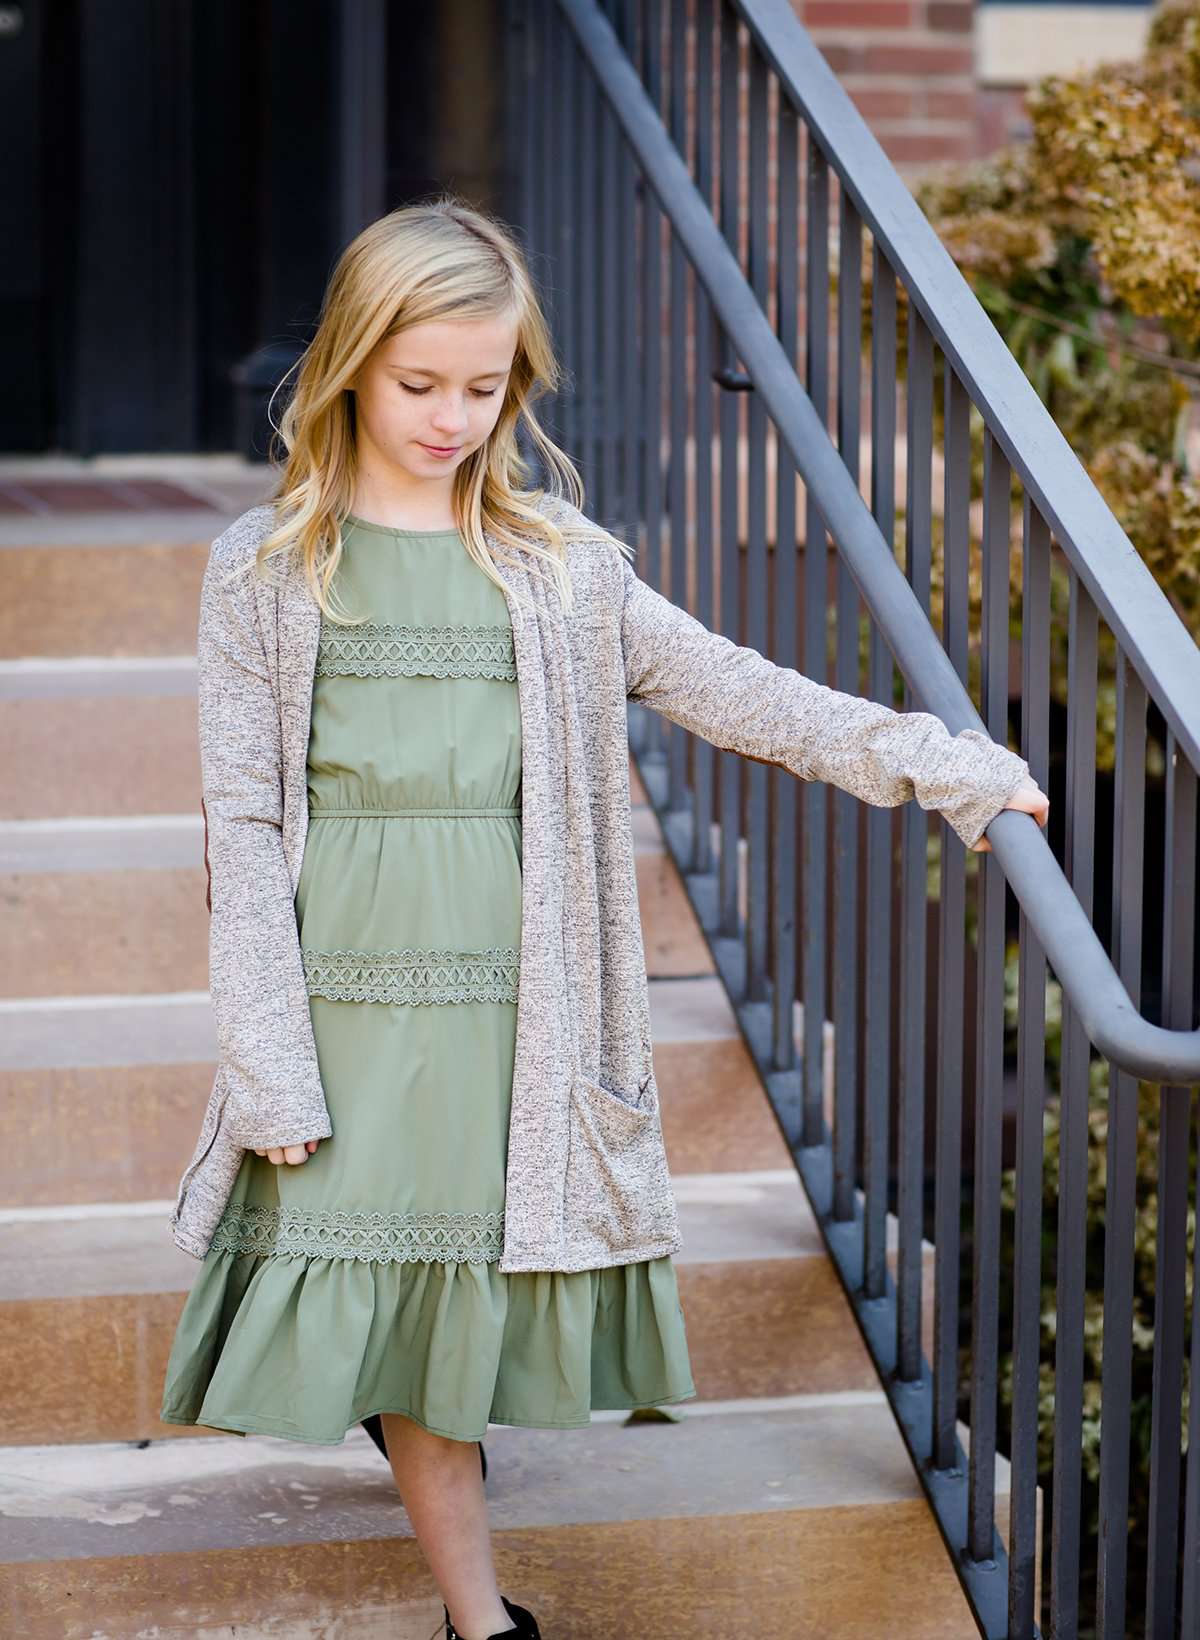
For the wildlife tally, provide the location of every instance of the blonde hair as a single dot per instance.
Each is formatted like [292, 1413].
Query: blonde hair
[439, 259]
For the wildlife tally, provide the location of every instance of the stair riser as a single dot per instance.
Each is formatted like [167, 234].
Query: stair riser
[142, 930]
[103, 933]
[119, 754]
[111, 600]
[123, 1133]
[92, 1368]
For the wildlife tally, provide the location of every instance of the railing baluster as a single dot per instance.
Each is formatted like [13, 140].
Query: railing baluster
[535, 160]
[1191, 1531]
[783, 785]
[877, 1058]
[914, 831]
[1031, 1088]
[676, 585]
[846, 949]
[632, 464]
[652, 381]
[703, 751]
[1073, 1133]
[584, 294]
[1120, 1207]
[730, 767]
[815, 796]
[1179, 892]
[569, 232]
[609, 367]
[989, 1035]
[757, 856]
[951, 1084]
[557, 222]
[523, 29]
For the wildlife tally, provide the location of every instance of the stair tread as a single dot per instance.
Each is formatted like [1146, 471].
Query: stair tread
[205, 1493]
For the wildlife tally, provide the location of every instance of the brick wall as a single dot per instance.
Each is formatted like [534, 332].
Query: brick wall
[910, 67]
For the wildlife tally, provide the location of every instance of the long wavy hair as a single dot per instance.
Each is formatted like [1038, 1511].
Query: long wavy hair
[438, 259]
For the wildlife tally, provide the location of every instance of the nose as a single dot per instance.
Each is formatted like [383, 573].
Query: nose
[449, 423]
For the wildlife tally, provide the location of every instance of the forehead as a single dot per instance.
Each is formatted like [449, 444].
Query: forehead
[453, 347]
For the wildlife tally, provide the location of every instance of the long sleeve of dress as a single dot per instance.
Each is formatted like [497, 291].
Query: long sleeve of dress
[742, 702]
[265, 1041]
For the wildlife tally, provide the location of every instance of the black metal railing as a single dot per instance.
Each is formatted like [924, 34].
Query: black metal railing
[681, 173]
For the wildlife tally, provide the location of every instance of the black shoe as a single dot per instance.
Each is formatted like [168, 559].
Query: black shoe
[524, 1624]
[374, 1428]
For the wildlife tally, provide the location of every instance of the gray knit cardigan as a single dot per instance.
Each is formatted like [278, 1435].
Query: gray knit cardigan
[587, 1182]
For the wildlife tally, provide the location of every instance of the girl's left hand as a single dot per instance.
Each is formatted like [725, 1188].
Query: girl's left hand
[291, 1154]
[1030, 799]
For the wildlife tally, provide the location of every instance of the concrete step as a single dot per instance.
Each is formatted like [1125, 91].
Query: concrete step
[132, 1075]
[141, 879]
[798, 1518]
[97, 1291]
[123, 932]
[102, 600]
[122, 753]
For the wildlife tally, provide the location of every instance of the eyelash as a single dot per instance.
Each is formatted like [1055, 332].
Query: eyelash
[479, 392]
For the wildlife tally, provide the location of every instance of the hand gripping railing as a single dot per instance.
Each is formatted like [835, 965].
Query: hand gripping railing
[600, 171]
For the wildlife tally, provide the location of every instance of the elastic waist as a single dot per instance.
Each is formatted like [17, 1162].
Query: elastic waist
[450, 814]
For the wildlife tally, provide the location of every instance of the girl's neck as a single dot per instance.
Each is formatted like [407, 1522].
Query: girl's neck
[411, 526]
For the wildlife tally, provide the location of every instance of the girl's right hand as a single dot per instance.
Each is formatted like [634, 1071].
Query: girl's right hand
[1029, 798]
[290, 1153]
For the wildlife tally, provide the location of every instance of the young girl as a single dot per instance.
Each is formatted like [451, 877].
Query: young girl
[360, 1275]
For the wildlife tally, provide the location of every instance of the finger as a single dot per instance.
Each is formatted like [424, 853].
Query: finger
[289, 1153]
[1032, 800]
[1028, 798]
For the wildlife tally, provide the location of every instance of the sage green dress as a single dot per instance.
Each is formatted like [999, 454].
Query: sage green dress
[366, 1278]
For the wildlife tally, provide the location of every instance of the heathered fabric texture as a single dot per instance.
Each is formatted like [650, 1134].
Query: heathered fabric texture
[587, 1182]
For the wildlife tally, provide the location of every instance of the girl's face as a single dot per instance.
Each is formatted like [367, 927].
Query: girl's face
[428, 397]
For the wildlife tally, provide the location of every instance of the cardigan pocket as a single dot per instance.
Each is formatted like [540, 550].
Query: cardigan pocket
[612, 1110]
[615, 1165]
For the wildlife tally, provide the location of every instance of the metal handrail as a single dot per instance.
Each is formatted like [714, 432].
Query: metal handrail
[1158, 644]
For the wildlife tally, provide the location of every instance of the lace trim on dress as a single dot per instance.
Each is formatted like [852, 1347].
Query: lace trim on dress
[385, 649]
[471, 1238]
[415, 976]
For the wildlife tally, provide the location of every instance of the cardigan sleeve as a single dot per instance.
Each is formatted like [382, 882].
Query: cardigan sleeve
[742, 702]
[256, 977]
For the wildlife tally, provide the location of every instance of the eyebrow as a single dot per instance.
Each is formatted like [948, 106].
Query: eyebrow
[480, 375]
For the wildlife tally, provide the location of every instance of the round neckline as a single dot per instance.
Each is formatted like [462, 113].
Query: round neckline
[387, 529]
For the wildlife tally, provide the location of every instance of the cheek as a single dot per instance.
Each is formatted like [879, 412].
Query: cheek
[486, 422]
[389, 416]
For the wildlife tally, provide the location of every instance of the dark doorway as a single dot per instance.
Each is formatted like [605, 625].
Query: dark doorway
[182, 178]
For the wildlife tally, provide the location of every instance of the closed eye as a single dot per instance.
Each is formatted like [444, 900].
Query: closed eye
[420, 392]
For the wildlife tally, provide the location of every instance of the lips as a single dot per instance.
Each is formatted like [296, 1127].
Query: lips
[441, 449]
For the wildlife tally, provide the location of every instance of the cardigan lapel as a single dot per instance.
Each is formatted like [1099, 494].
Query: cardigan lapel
[544, 1054]
[293, 654]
